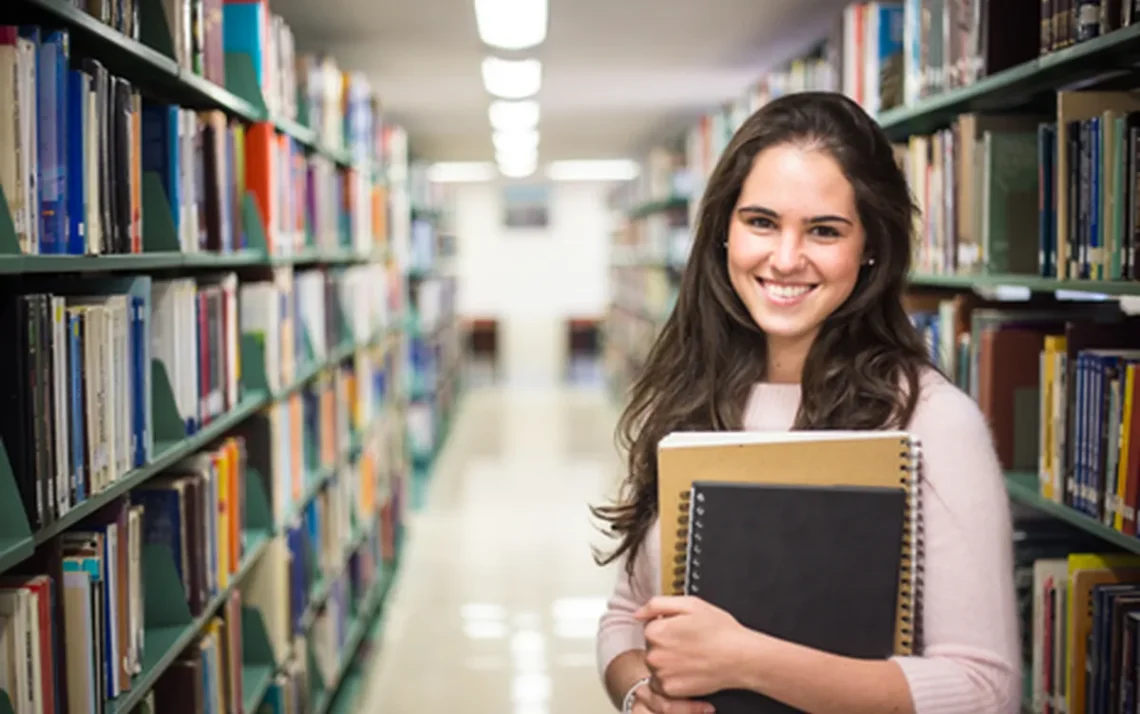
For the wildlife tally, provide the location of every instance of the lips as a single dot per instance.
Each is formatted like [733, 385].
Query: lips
[785, 293]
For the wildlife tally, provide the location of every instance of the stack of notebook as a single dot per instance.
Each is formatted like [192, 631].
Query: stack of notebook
[812, 537]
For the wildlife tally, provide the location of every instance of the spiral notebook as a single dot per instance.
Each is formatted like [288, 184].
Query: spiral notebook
[799, 495]
[816, 565]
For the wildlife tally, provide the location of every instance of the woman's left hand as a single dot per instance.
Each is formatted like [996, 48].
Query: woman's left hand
[693, 648]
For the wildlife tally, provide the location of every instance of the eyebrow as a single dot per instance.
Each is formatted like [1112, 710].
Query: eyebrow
[746, 210]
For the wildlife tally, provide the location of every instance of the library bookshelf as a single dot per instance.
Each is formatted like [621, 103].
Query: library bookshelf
[204, 464]
[1022, 157]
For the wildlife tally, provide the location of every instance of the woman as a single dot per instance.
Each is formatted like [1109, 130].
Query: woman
[790, 316]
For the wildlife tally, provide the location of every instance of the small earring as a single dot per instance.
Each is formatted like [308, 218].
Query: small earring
[869, 261]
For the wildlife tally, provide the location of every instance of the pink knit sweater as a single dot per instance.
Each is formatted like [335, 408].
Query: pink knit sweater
[970, 663]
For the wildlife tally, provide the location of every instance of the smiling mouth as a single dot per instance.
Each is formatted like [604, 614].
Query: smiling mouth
[785, 293]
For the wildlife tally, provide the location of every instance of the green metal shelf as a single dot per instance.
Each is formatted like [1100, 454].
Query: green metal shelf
[144, 262]
[1022, 487]
[255, 683]
[309, 138]
[1033, 283]
[1014, 88]
[360, 625]
[134, 262]
[649, 208]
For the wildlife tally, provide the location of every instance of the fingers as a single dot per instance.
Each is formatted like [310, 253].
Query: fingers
[650, 702]
[663, 606]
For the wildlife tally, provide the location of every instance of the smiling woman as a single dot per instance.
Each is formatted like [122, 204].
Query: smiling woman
[790, 316]
[791, 265]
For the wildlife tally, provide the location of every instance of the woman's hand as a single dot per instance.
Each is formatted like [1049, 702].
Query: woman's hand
[693, 647]
[647, 701]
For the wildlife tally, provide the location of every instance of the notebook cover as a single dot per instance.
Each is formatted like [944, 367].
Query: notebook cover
[814, 565]
[885, 459]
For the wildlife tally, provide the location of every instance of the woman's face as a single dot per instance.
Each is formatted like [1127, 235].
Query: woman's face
[795, 243]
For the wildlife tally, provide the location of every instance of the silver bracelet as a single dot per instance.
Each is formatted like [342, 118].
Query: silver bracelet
[631, 695]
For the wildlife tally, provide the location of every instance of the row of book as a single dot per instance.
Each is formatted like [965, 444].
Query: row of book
[1065, 23]
[976, 187]
[898, 52]
[84, 155]
[1089, 208]
[193, 333]
[663, 174]
[1030, 195]
[644, 290]
[207, 675]
[661, 237]
[629, 335]
[1057, 383]
[706, 140]
[300, 438]
[77, 381]
[73, 620]
[71, 147]
[311, 88]
[895, 53]
[300, 317]
[347, 591]
[321, 539]
[87, 354]
[433, 360]
[1082, 628]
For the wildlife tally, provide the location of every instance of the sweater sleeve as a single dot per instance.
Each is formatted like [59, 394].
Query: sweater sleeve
[970, 658]
[618, 631]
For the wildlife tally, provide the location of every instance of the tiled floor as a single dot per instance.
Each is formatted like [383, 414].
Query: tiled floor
[496, 607]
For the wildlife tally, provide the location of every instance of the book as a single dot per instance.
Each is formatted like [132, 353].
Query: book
[767, 553]
[808, 459]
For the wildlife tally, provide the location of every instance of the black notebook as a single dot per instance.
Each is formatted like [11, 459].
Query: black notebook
[815, 565]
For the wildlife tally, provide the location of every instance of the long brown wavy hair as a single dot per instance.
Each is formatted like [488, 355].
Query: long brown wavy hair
[863, 369]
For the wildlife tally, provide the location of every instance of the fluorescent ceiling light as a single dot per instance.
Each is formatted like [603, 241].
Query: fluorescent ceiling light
[517, 170]
[511, 24]
[460, 171]
[513, 116]
[593, 170]
[516, 157]
[518, 163]
[512, 79]
[521, 140]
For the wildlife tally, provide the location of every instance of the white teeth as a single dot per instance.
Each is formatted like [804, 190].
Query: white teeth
[786, 292]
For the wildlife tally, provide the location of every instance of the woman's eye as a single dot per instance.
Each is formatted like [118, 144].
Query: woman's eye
[825, 231]
[761, 222]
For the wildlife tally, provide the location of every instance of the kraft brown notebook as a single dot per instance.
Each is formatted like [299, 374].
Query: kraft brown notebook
[814, 460]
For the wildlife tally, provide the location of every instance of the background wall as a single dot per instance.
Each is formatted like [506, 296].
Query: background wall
[532, 281]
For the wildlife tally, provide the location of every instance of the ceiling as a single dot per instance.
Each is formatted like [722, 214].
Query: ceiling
[618, 75]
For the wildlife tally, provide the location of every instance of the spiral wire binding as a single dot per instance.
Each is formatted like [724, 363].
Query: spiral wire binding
[681, 559]
[693, 550]
[912, 567]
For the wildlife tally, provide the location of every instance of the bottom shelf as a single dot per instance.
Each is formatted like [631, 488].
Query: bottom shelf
[255, 681]
[347, 699]
[371, 609]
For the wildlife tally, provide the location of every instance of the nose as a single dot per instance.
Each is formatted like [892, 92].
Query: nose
[787, 252]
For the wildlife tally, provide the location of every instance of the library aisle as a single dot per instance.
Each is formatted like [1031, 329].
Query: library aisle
[496, 605]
